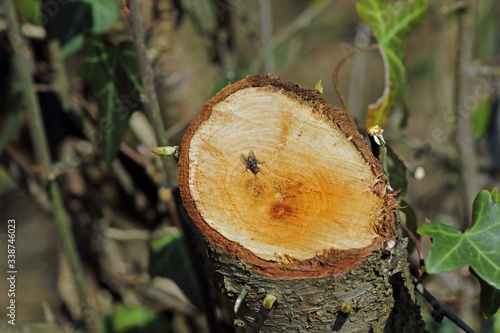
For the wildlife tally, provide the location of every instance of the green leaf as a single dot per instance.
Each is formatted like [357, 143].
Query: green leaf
[319, 86]
[478, 246]
[28, 10]
[481, 117]
[495, 194]
[489, 299]
[391, 22]
[129, 63]
[104, 14]
[113, 77]
[127, 318]
[204, 12]
[169, 258]
[76, 17]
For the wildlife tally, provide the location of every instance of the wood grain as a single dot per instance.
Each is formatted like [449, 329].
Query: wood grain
[318, 190]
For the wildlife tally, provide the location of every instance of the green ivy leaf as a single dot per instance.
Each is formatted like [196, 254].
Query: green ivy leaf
[391, 22]
[478, 246]
[489, 299]
[28, 10]
[75, 17]
[104, 14]
[130, 318]
[129, 63]
[113, 77]
[495, 195]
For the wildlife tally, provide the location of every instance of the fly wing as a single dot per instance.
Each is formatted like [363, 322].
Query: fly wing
[243, 159]
[251, 154]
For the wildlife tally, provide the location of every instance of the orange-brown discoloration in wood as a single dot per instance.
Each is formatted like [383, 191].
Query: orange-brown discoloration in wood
[285, 128]
[310, 213]
[281, 210]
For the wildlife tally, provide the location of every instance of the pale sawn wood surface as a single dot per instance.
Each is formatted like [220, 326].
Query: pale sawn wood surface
[313, 192]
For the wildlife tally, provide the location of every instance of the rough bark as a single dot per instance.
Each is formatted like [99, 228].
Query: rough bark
[289, 203]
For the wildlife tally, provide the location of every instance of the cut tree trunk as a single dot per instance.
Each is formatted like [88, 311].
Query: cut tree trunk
[289, 205]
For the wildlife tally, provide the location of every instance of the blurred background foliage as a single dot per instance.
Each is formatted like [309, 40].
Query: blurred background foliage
[126, 228]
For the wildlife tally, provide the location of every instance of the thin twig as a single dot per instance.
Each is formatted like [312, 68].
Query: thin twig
[152, 107]
[132, 154]
[300, 22]
[440, 307]
[90, 108]
[463, 92]
[358, 72]
[43, 158]
[127, 235]
[167, 16]
[454, 300]
[267, 33]
[61, 84]
[149, 98]
[487, 71]
[178, 127]
[335, 76]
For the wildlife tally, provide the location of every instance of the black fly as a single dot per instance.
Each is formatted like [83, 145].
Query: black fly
[251, 163]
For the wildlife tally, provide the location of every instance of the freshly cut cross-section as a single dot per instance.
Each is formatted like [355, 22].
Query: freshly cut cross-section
[287, 199]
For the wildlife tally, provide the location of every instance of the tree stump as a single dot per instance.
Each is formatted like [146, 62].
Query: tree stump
[293, 215]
